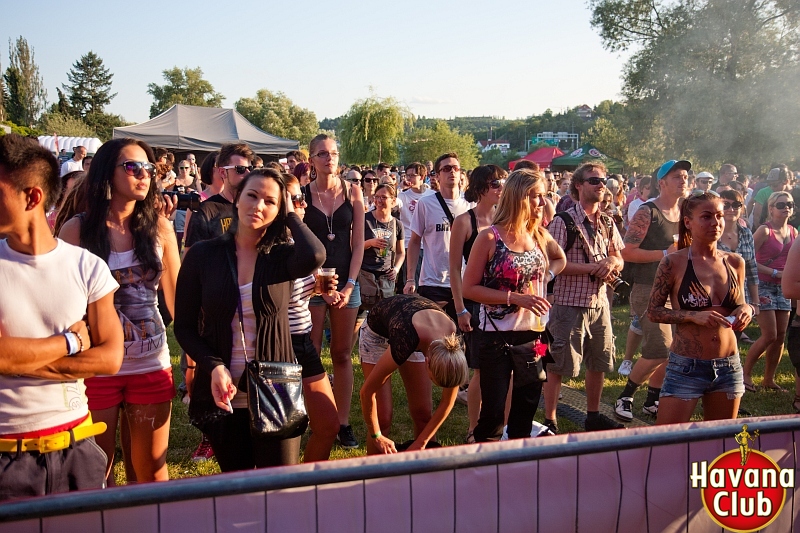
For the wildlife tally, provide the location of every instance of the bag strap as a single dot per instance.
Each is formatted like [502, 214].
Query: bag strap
[444, 207]
[238, 303]
[486, 314]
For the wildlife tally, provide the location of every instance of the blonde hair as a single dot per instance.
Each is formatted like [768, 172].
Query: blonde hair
[513, 212]
[447, 362]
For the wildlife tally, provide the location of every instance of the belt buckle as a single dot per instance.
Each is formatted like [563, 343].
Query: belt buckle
[52, 443]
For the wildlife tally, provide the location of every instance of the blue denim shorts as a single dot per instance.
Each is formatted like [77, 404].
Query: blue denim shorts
[355, 299]
[688, 378]
[771, 296]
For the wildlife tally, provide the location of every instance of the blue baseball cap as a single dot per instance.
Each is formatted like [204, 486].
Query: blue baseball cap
[671, 165]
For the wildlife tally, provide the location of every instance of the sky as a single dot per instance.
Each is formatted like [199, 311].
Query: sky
[441, 58]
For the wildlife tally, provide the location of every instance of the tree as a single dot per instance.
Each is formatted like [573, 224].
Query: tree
[713, 75]
[25, 94]
[65, 126]
[104, 123]
[2, 99]
[184, 86]
[276, 114]
[372, 129]
[426, 144]
[89, 89]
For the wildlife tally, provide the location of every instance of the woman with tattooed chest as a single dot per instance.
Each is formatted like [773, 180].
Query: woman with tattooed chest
[705, 289]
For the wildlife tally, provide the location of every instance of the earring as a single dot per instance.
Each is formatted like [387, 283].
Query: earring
[108, 191]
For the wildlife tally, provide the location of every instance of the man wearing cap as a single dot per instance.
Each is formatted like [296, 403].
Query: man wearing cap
[650, 238]
[52, 294]
[704, 181]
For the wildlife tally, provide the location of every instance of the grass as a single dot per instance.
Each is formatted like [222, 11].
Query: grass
[184, 437]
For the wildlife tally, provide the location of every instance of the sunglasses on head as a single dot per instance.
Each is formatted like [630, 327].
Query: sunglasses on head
[784, 205]
[298, 200]
[595, 181]
[698, 194]
[240, 169]
[732, 205]
[450, 168]
[496, 184]
[134, 168]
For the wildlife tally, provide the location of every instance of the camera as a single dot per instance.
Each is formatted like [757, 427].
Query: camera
[186, 201]
[617, 283]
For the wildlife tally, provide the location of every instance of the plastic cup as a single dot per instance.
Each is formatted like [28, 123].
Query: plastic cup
[539, 288]
[383, 234]
[326, 277]
[675, 237]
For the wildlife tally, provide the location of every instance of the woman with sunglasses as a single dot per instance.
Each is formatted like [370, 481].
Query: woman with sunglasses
[507, 260]
[335, 214]
[122, 226]
[706, 290]
[772, 243]
[240, 285]
[485, 187]
[737, 238]
[370, 185]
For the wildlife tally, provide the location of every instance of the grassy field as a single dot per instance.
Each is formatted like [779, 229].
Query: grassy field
[184, 438]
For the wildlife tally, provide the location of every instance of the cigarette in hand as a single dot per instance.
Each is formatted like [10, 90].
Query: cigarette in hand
[228, 402]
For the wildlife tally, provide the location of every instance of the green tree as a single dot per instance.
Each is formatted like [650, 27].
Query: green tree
[428, 143]
[65, 125]
[497, 157]
[277, 114]
[184, 86]
[712, 77]
[2, 99]
[372, 129]
[89, 88]
[104, 123]
[25, 94]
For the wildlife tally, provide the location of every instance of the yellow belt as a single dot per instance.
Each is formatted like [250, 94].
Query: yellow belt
[54, 442]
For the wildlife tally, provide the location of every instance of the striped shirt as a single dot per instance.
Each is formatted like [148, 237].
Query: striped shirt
[299, 315]
[239, 351]
[747, 250]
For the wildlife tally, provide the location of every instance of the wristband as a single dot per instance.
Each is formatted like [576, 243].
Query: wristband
[508, 298]
[376, 435]
[80, 341]
[72, 343]
[351, 281]
[552, 276]
[462, 313]
[665, 253]
[191, 367]
[410, 281]
[774, 272]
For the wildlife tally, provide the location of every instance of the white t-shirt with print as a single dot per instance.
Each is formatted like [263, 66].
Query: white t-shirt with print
[431, 223]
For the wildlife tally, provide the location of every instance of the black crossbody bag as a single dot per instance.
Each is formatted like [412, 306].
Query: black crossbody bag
[528, 365]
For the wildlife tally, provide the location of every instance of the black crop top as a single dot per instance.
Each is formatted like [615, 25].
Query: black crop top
[693, 296]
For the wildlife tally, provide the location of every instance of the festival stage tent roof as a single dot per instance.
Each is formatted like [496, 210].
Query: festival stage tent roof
[542, 157]
[586, 153]
[186, 128]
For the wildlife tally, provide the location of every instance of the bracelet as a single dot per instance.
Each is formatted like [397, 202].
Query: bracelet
[665, 253]
[72, 343]
[191, 367]
[351, 281]
[774, 272]
[410, 281]
[80, 340]
[376, 435]
[462, 313]
[552, 276]
[508, 298]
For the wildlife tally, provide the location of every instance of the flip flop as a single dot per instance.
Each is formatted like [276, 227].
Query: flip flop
[749, 387]
[775, 388]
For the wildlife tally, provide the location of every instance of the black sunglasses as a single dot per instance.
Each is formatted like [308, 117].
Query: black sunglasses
[134, 168]
[298, 200]
[371, 180]
[784, 205]
[356, 181]
[732, 205]
[496, 184]
[595, 181]
[240, 169]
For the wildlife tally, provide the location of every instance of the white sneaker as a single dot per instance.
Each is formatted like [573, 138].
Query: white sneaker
[624, 409]
[651, 409]
[625, 368]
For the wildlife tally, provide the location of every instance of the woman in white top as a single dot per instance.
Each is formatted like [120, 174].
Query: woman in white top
[122, 226]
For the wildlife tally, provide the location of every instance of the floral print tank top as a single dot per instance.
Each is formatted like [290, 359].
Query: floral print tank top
[515, 272]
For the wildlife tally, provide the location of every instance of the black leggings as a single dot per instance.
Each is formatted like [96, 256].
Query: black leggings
[235, 449]
[496, 368]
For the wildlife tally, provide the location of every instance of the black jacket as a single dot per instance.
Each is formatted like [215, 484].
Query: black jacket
[207, 297]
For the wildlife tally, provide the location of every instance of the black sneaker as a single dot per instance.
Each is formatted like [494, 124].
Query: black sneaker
[600, 423]
[346, 438]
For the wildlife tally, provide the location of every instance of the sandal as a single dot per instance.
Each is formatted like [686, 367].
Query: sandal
[749, 387]
[796, 404]
[774, 388]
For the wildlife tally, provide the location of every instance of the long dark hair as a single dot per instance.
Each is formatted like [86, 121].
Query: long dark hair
[144, 221]
[277, 232]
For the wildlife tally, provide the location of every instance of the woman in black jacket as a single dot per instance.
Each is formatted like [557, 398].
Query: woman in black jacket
[208, 325]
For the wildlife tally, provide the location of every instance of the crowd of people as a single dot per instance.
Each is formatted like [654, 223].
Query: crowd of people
[432, 271]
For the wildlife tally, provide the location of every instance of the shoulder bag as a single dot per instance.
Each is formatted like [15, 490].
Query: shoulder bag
[526, 359]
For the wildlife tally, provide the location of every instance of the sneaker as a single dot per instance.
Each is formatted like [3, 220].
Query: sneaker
[461, 397]
[203, 451]
[346, 438]
[624, 409]
[651, 410]
[601, 423]
[625, 368]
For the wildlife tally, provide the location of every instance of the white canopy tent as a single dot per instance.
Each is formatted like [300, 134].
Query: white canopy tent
[68, 143]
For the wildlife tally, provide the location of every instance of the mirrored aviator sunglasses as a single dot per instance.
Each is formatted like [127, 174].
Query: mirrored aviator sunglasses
[497, 184]
[134, 168]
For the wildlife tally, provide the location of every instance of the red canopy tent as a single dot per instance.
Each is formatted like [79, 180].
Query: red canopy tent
[542, 157]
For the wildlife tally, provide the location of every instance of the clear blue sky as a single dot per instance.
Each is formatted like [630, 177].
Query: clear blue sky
[442, 58]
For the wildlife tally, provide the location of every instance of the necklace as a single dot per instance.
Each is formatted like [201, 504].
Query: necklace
[328, 220]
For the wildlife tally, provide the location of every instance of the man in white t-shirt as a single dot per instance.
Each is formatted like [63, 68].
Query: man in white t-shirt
[415, 178]
[51, 295]
[430, 227]
[76, 163]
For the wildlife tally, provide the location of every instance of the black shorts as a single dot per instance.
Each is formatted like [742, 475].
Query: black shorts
[307, 355]
[440, 294]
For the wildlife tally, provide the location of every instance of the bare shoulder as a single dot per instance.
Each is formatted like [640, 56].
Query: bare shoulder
[71, 231]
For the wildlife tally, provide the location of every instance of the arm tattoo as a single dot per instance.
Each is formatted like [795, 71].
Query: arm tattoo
[662, 287]
[637, 230]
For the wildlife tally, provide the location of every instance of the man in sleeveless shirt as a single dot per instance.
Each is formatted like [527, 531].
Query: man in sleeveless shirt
[51, 295]
[649, 239]
[580, 320]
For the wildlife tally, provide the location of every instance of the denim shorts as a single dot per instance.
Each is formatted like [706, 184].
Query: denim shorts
[688, 378]
[355, 299]
[771, 296]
